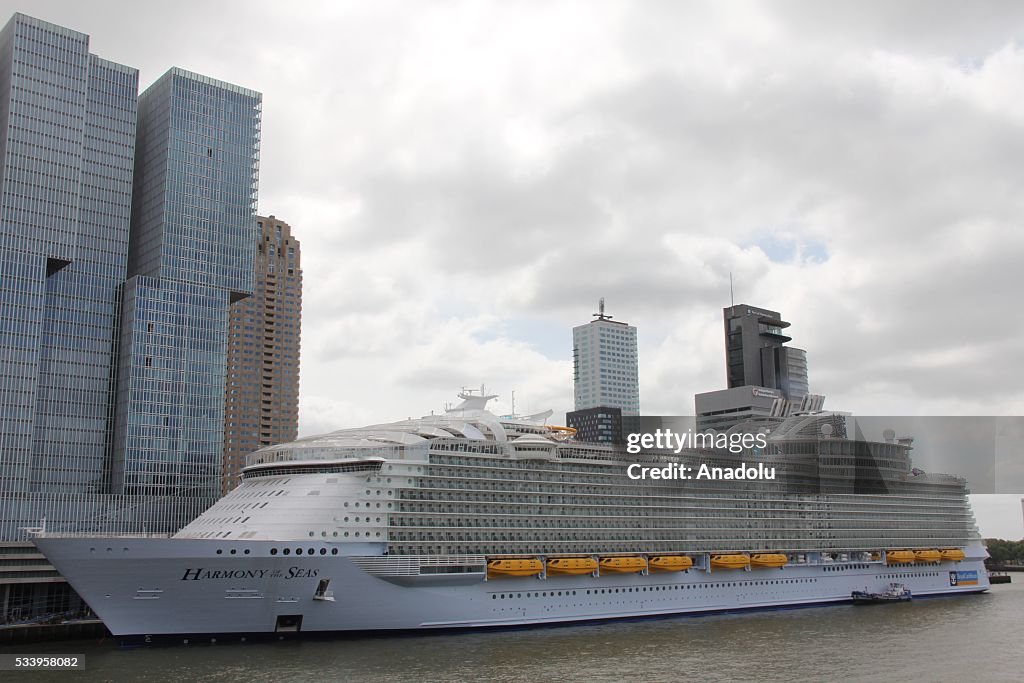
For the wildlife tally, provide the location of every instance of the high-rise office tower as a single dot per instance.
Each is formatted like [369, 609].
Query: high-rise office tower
[757, 355]
[111, 392]
[67, 144]
[261, 405]
[192, 243]
[605, 365]
[767, 380]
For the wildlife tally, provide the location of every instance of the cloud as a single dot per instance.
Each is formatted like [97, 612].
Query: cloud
[462, 175]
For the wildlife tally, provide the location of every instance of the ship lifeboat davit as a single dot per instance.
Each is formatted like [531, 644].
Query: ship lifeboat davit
[899, 557]
[670, 563]
[927, 555]
[515, 567]
[730, 561]
[774, 560]
[623, 565]
[952, 554]
[572, 565]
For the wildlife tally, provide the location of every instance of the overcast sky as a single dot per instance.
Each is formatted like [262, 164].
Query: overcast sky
[468, 178]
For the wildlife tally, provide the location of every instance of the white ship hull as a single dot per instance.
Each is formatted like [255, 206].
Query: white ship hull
[152, 590]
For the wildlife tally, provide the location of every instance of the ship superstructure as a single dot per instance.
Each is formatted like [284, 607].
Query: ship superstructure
[464, 519]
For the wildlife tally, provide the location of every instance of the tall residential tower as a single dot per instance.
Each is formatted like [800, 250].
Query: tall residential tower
[261, 406]
[605, 364]
[605, 377]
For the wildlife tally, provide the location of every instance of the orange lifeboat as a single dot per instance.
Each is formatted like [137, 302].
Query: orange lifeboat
[669, 563]
[623, 565]
[899, 557]
[730, 561]
[772, 560]
[952, 554]
[572, 565]
[514, 567]
[930, 555]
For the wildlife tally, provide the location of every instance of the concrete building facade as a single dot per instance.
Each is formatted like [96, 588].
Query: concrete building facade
[261, 403]
[757, 355]
[767, 380]
[596, 425]
[605, 367]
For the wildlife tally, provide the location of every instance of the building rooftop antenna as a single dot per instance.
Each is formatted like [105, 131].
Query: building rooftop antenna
[600, 314]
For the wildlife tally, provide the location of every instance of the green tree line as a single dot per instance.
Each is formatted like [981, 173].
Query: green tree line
[1004, 551]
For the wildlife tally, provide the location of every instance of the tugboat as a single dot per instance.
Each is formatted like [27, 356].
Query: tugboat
[896, 592]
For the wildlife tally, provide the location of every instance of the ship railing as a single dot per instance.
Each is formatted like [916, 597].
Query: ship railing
[88, 534]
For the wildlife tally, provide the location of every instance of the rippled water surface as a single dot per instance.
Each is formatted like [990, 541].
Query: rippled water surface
[939, 639]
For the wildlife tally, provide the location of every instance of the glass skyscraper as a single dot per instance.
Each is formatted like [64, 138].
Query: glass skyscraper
[113, 358]
[67, 147]
[127, 227]
[193, 242]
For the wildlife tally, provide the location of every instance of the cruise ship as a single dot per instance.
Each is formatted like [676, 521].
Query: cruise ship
[466, 520]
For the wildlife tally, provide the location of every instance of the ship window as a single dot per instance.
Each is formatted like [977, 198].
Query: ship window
[298, 551]
[246, 551]
[286, 551]
[323, 551]
[233, 551]
[334, 551]
[219, 551]
[273, 551]
[309, 552]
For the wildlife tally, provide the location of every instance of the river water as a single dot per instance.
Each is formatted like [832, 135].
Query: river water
[972, 637]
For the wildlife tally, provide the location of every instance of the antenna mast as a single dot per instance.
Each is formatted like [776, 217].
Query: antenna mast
[732, 300]
[600, 308]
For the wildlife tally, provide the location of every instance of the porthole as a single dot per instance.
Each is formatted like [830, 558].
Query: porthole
[219, 551]
[298, 551]
[245, 552]
[334, 551]
[309, 552]
[286, 551]
[273, 551]
[233, 551]
[323, 551]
